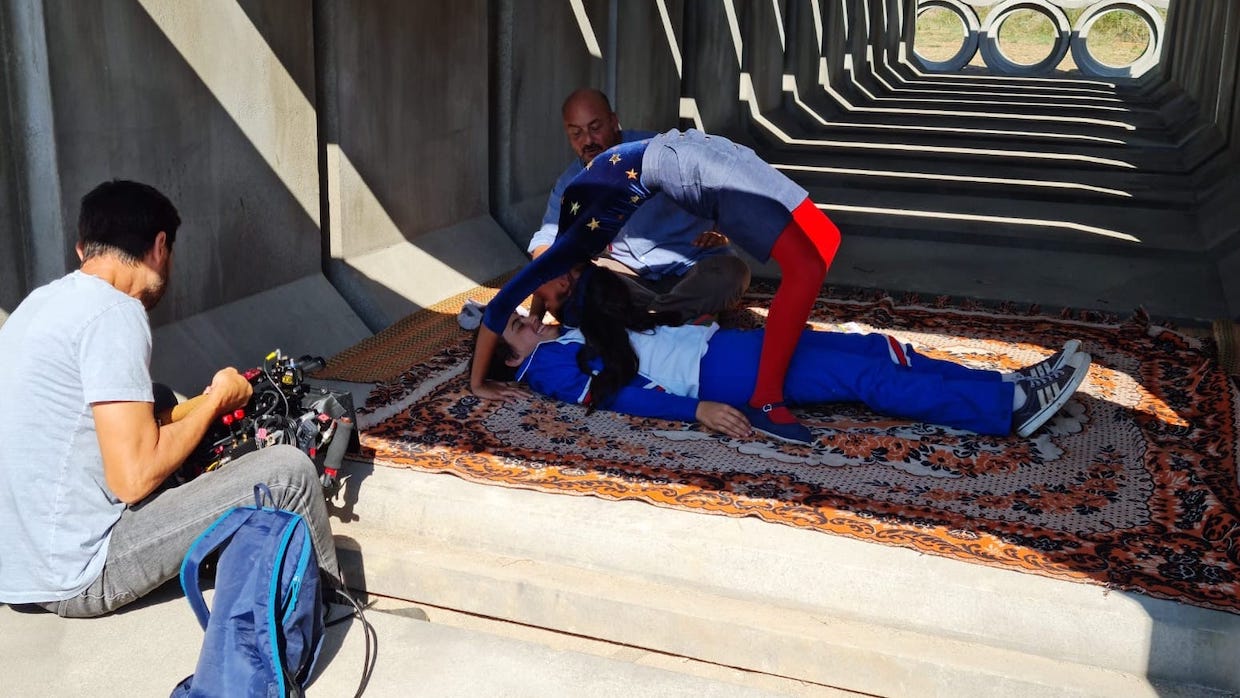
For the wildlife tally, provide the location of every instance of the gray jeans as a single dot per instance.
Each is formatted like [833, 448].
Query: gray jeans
[149, 542]
[714, 284]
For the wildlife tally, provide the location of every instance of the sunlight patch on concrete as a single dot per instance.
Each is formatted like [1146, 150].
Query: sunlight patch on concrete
[779, 24]
[735, 28]
[587, 30]
[817, 11]
[957, 216]
[689, 110]
[361, 207]
[824, 79]
[790, 85]
[266, 105]
[671, 36]
[928, 176]
[747, 95]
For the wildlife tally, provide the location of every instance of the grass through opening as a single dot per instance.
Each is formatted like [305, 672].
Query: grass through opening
[1117, 38]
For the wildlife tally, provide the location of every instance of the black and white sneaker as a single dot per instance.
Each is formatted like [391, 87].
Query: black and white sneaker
[1047, 366]
[1044, 396]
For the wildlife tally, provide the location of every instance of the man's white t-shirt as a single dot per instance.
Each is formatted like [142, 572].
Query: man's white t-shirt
[73, 342]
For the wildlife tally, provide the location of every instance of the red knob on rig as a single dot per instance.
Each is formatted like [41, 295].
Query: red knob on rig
[227, 420]
[238, 414]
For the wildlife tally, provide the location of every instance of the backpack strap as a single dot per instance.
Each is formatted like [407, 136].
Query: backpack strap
[212, 539]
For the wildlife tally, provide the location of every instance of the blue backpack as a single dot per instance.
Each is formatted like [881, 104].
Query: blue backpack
[265, 631]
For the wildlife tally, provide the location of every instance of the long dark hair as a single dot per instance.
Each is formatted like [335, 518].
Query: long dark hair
[608, 312]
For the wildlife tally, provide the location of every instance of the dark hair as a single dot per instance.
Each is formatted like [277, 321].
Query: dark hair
[608, 313]
[123, 218]
[498, 369]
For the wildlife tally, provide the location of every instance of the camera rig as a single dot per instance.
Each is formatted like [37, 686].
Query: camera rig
[282, 410]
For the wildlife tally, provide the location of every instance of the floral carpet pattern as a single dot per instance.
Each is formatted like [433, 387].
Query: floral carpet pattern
[1132, 486]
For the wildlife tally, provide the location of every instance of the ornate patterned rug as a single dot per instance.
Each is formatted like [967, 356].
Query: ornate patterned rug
[1132, 486]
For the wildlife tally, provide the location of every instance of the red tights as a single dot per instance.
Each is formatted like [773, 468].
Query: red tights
[804, 251]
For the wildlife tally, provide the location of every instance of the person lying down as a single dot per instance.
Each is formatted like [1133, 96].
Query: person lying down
[624, 360]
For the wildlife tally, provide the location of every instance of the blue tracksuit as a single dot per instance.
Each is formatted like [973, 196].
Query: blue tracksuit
[875, 369]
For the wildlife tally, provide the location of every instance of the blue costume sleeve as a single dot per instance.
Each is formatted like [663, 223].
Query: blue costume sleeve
[595, 205]
[552, 371]
[550, 227]
[640, 401]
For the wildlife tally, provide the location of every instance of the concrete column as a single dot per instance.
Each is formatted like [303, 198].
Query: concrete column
[541, 53]
[36, 237]
[649, 51]
[766, 34]
[714, 57]
[212, 105]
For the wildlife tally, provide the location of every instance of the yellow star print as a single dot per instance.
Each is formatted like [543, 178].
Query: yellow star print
[593, 224]
[615, 157]
[634, 198]
[632, 174]
[574, 208]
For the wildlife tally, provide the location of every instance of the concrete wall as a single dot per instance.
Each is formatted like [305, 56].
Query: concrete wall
[763, 24]
[712, 66]
[410, 124]
[1214, 85]
[539, 55]
[12, 254]
[647, 94]
[142, 93]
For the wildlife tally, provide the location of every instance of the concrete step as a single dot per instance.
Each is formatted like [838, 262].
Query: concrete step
[985, 102]
[1086, 90]
[997, 133]
[1161, 191]
[768, 598]
[778, 129]
[1122, 228]
[1183, 289]
[148, 649]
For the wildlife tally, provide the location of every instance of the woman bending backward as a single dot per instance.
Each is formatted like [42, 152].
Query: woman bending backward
[761, 210]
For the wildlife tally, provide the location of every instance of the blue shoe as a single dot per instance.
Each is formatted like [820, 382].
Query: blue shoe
[1044, 396]
[1047, 366]
[793, 433]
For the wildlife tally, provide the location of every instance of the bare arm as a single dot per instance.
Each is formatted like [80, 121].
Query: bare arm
[537, 307]
[723, 418]
[484, 349]
[139, 453]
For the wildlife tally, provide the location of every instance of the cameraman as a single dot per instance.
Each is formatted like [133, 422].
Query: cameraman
[81, 450]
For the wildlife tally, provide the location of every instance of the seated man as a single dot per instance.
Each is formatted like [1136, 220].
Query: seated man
[672, 260]
[87, 528]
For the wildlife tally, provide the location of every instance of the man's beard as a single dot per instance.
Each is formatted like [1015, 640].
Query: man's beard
[589, 152]
[153, 292]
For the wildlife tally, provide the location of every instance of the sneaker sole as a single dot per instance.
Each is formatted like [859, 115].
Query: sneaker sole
[784, 439]
[1078, 377]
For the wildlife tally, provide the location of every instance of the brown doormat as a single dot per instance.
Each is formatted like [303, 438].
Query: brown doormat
[1131, 486]
[408, 341]
[1227, 338]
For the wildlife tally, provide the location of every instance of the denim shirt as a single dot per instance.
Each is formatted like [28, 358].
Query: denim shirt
[656, 242]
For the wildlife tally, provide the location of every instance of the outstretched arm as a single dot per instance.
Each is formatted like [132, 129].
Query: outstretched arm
[484, 351]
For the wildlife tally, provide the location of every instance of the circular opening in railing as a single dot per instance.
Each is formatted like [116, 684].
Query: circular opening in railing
[1026, 37]
[1119, 38]
[940, 34]
[946, 34]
